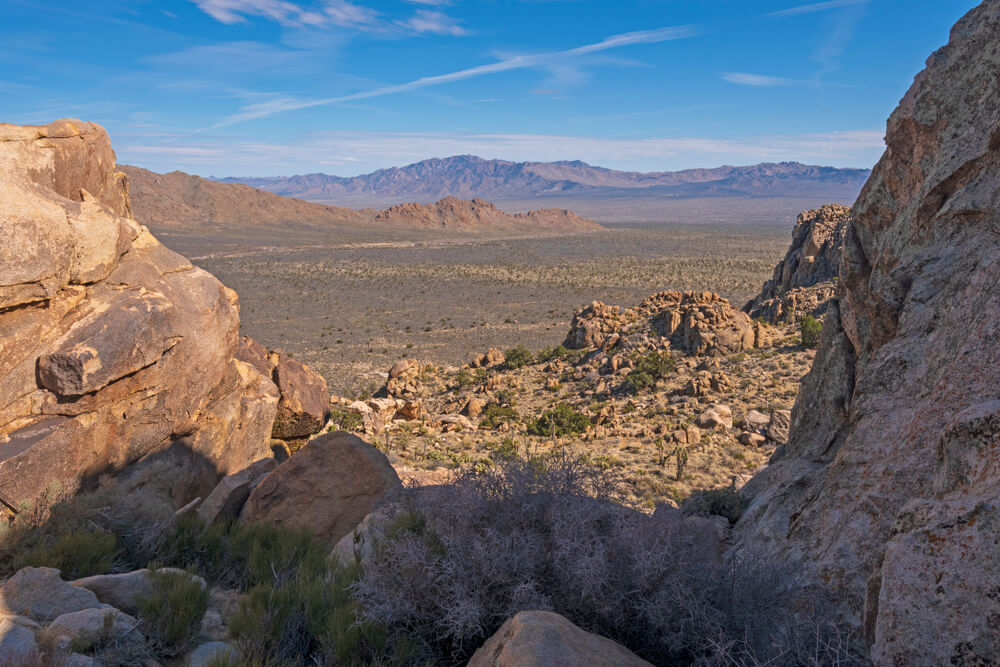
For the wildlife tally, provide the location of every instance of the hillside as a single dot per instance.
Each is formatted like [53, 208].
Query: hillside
[179, 201]
[470, 176]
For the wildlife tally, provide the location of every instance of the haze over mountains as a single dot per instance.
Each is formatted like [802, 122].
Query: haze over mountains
[468, 176]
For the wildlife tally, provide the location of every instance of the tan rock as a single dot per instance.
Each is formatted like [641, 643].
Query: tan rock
[126, 591]
[474, 407]
[328, 486]
[305, 400]
[119, 341]
[887, 488]
[41, 595]
[410, 411]
[82, 629]
[228, 497]
[546, 639]
[778, 425]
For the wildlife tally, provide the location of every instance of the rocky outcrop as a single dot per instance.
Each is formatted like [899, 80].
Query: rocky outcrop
[112, 347]
[699, 323]
[328, 486]
[546, 639]
[304, 399]
[805, 280]
[480, 215]
[888, 486]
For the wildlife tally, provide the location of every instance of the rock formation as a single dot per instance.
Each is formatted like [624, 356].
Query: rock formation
[112, 348]
[691, 322]
[461, 215]
[328, 486]
[888, 487]
[804, 281]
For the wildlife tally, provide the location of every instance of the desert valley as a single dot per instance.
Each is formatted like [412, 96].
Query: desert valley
[490, 412]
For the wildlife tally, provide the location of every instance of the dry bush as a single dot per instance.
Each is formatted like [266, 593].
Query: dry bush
[533, 534]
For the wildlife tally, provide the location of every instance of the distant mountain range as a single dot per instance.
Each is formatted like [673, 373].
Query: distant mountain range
[468, 176]
[179, 201]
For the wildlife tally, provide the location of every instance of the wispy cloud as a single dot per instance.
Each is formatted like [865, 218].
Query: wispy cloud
[817, 7]
[436, 23]
[761, 80]
[357, 152]
[546, 61]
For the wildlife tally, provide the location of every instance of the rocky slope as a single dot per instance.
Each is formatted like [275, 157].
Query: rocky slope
[461, 215]
[112, 348]
[470, 176]
[887, 489]
[181, 201]
[804, 281]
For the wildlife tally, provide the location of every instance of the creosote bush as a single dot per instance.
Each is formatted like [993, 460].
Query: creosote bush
[172, 614]
[648, 369]
[495, 416]
[559, 421]
[517, 357]
[811, 330]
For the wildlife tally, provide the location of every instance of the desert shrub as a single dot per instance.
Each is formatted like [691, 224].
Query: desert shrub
[464, 378]
[495, 416]
[517, 357]
[810, 329]
[79, 553]
[346, 420]
[552, 353]
[312, 619]
[560, 420]
[172, 614]
[648, 369]
[725, 502]
[545, 534]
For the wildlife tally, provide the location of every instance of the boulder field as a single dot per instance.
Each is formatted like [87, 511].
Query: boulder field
[888, 487]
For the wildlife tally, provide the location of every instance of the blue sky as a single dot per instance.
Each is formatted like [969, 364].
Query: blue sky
[268, 87]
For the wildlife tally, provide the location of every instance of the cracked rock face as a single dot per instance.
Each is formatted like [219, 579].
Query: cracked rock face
[888, 487]
[112, 347]
[804, 281]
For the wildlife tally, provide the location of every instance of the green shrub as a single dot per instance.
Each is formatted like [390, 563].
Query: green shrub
[648, 369]
[551, 353]
[495, 416]
[172, 614]
[517, 357]
[560, 420]
[810, 329]
[80, 553]
[346, 420]
[464, 378]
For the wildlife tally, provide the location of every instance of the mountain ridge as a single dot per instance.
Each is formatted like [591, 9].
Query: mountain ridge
[469, 176]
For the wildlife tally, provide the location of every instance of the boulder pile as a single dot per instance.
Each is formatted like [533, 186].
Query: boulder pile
[112, 347]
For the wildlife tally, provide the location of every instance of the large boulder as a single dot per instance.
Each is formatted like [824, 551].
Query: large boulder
[887, 489]
[126, 591]
[228, 497]
[112, 347]
[80, 630]
[804, 281]
[328, 486]
[41, 595]
[304, 398]
[546, 639]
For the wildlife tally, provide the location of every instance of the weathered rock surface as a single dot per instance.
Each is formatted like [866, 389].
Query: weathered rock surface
[82, 629]
[701, 323]
[41, 595]
[128, 590]
[804, 281]
[228, 497]
[304, 399]
[17, 644]
[888, 486]
[546, 639]
[211, 653]
[328, 486]
[111, 346]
